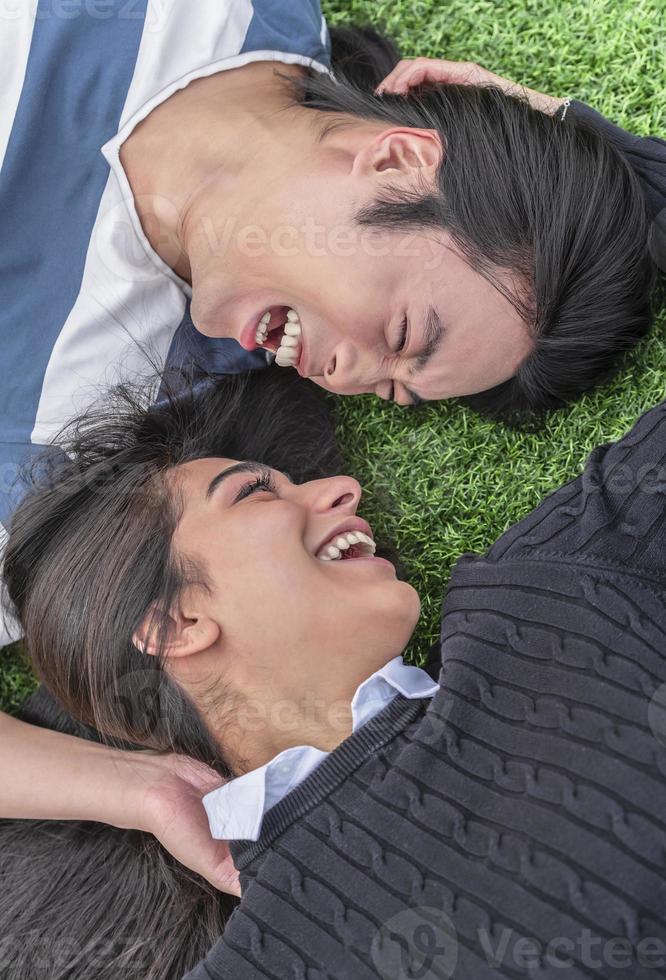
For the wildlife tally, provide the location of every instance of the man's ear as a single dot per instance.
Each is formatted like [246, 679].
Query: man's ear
[402, 149]
[180, 636]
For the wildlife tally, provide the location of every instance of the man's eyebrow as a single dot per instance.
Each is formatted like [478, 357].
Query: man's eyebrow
[249, 466]
[433, 332]
[416, 399]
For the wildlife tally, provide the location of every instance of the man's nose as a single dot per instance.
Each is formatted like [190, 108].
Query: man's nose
[351, 370]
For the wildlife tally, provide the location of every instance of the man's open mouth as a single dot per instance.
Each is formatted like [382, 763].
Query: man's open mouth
[279, 331]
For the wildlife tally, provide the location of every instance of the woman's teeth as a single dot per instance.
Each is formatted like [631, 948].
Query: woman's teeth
[289, 351]
[333, 549]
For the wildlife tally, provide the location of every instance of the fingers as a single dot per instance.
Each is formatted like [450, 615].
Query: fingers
[414, 71]
[225, 878]
[231, 888]
[196, 773]
[404, 75]
[225, 882]
[395, 80]
[208, 857]
[411, 72]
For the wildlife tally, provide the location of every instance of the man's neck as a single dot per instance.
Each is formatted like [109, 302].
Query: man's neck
[216, 125]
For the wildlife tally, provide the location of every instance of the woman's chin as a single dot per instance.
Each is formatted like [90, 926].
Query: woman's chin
[402, 608]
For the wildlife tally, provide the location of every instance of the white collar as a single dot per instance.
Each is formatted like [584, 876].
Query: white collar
[236, 810]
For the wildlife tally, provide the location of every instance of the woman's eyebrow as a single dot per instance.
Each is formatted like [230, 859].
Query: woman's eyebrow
[249, 466]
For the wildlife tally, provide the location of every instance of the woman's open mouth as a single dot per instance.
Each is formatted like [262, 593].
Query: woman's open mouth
[346, 544]
[279, 331]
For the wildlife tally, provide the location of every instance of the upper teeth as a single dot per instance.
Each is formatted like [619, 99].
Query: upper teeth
[289, 351]
[341, 542]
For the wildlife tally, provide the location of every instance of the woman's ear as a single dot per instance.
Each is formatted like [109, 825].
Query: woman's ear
[179, 635]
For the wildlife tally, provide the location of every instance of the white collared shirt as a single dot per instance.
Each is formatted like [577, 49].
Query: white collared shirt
[236, 810]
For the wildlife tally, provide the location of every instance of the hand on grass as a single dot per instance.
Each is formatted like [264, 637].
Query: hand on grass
[414, 71]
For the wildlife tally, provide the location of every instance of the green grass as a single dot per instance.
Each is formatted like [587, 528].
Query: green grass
[441, 481]
[16, 678]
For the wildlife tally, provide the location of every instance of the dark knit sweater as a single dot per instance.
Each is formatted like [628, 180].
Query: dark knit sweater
[645, 154]
[525, 805]
[647, 157]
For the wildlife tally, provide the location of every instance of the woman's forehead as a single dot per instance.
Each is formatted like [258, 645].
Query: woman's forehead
[194, 476]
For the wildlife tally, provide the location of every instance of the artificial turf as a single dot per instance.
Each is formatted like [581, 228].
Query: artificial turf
[440, 481]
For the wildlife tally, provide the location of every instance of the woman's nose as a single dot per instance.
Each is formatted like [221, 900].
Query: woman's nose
[341, 493]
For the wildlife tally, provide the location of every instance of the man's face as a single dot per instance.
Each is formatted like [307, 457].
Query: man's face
[396, 313]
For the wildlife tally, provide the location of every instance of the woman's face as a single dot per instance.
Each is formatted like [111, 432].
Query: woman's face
[288, 610]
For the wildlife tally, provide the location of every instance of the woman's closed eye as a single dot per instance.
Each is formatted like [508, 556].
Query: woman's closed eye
[262, 482]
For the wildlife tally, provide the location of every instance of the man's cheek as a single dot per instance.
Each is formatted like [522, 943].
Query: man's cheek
[434, 255]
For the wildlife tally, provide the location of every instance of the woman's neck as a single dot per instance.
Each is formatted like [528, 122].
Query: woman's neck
[258, 714]
[263, 731]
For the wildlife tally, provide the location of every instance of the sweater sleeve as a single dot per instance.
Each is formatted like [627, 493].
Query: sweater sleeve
[614, 513]
[646, 154]
[647, 157]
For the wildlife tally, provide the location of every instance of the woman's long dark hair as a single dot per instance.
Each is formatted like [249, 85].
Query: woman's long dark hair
[88, 551]
[555, 204]
[86, 901]
[90, 546]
